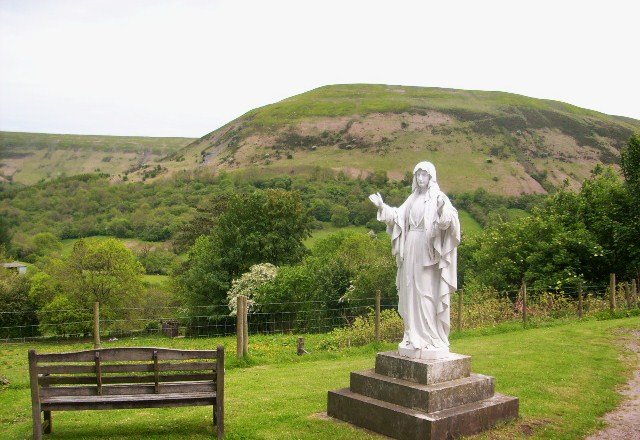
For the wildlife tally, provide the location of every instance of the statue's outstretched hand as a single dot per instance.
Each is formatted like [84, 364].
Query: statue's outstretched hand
[376, 199]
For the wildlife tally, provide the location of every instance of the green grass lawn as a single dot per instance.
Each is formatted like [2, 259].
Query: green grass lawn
[565, 376]
[469, 225]
[328, 230]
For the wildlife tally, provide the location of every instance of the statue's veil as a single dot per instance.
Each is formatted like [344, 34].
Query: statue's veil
[431, 170]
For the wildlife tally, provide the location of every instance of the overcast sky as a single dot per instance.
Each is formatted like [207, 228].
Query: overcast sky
[184, 68]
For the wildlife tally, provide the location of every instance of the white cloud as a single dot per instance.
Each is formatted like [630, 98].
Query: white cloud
[183, 68]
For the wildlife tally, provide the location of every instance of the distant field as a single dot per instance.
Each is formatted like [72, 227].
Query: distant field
[328, 230]
[155, 280]
[30, 157]
[18, 142]
[469, 225]
[132, 243]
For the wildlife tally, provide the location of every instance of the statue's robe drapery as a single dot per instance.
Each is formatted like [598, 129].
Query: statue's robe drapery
[425, 247]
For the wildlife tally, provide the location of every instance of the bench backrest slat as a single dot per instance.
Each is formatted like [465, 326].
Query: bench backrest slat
[114, 390]
[126, 354]
[126, 368]
[71, 380]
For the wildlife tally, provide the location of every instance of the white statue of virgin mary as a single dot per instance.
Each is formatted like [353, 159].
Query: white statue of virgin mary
[425, 234]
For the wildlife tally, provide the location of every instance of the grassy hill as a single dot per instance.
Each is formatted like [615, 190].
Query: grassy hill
[506, 143]
[30, 157]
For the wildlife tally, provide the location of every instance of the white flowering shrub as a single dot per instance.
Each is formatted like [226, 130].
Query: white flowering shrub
[249, 284]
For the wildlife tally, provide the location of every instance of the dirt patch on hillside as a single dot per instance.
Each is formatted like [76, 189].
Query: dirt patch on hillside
[377, 126]
[314, 127]
[624, 422]
[353, 173]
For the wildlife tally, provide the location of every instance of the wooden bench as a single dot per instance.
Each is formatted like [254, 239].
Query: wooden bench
[122, 378]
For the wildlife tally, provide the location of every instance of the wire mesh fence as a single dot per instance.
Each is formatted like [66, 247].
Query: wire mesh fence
[467, 311]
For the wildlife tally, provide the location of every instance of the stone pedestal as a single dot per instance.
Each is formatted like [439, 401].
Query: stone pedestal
[434, 399]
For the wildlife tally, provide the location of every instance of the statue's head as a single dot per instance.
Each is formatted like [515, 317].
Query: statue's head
[424, 175]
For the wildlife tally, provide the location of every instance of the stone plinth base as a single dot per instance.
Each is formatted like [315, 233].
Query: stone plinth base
[433, 353]
[421, 399]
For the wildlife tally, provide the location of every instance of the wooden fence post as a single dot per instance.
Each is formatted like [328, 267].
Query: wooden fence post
[460, 310]
[634, 292]
[524, 303]
[245, 326]
[580, 299]
[612, 292]
[377, 318]
[96, 324]
[239, 329]
[301, 349]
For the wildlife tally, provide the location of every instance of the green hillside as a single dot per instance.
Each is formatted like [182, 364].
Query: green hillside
[506, 143]
[30, 157]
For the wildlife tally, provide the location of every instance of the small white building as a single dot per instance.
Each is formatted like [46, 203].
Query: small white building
[20, 267]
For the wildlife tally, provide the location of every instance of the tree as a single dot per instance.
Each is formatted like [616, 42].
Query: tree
[608, 211]
[202, 222]
[5, 235]
[321, 210]
[266, 226]
[540, 249]
[339, 216]
[100, 270]
[18, 317]
[63, 317]
[584, 235]
[630, 162]
[46, 243]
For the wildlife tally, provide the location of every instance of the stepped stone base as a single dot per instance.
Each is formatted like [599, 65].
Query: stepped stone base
[425, 371]
[421, 399]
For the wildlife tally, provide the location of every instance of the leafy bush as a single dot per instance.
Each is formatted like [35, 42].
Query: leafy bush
[62, 317]
[158, 261]
[362, 331]
[20, 319]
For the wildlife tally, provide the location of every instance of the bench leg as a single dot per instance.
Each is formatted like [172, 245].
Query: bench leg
[48, 426]
[218, 419]
[37, 424]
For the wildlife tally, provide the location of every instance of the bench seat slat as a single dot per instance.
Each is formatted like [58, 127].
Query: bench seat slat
[63, 403]
[127, 354]
[126, 368]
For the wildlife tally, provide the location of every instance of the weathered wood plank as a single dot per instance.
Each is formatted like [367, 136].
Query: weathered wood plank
[129, 398]
[219, 408]
[127, 354]
[126, 368]
[114, 390]
[35, 398]
[79, 380]
[98, 373]
[96, 405]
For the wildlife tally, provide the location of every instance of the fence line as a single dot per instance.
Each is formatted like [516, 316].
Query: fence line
[299, 317]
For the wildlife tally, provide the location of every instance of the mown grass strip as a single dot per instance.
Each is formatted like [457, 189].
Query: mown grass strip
[564, 375]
